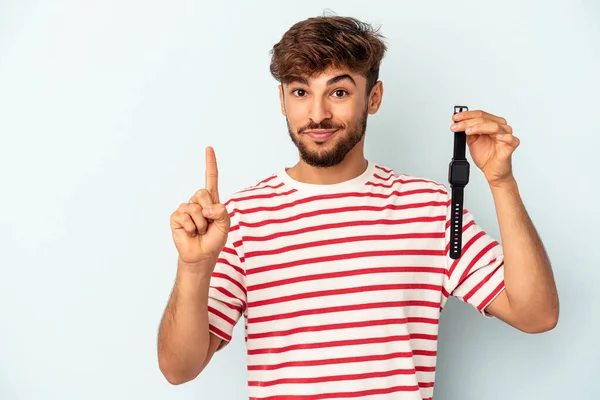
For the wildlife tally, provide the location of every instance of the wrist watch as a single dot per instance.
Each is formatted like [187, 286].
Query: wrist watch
[458, 177]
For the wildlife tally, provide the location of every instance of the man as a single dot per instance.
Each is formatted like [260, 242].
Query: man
[339, 265]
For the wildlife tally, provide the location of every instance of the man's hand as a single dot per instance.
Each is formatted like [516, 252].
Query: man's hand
[491, 143]
[200, 226]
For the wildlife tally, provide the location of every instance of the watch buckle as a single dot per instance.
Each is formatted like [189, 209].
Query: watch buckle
[458, 109]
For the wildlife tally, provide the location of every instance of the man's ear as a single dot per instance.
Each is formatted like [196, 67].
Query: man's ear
[375, 97]
[282, 100]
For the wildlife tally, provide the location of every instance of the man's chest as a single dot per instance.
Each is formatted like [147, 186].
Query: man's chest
[341, 271]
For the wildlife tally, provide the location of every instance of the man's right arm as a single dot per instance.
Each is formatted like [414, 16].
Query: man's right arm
[185, 345]
[200, 231]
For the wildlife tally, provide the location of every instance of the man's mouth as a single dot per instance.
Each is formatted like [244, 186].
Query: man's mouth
[320, 134]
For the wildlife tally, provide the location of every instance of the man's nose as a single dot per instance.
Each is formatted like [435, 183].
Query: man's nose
[319, 111]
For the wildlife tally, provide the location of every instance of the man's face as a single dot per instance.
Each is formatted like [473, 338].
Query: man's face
[326, 115]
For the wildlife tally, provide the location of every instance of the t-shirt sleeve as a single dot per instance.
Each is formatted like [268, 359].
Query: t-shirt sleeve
[477, 277]
[227, 291]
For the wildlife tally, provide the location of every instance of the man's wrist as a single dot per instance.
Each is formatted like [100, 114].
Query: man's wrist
[505, 185]
[195, 273]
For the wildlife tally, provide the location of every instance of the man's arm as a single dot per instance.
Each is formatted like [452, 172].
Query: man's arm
[530, 300]
[185, 345]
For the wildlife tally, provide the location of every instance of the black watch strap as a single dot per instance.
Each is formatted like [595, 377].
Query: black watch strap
[456, 224]
[458, 194]
[460, 146]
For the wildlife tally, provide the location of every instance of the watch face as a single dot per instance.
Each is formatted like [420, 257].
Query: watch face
[459, 173]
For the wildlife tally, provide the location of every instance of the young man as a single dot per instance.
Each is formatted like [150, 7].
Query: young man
[340, 266]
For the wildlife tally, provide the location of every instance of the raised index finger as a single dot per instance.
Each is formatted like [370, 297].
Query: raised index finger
[212, 174]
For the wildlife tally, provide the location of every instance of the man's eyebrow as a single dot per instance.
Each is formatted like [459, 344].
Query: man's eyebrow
[304, 81]
[297, 79]
[341, 78]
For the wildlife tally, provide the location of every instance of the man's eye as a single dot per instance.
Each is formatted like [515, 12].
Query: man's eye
[340, 93]
[299, 92]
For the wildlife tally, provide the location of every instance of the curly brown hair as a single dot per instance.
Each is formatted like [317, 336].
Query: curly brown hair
[312, 46]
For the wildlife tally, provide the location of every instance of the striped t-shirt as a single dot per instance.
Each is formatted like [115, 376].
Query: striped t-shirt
[341, 286]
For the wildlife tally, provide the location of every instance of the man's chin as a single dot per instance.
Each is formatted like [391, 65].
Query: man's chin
[321, 159]
[320, 163]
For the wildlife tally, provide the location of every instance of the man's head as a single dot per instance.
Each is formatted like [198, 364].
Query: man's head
[329, 69]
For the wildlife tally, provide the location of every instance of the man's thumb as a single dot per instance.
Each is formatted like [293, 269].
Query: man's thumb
[216, 212]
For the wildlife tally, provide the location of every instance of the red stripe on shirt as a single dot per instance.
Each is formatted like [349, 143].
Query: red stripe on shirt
[351, 307]
[344, 325]
[419, 235]
[342, 360]
[334, 378]
[347, 256]
[467, 226]
[483, 282]
[386, 170]
[466, 247]
[449, 221]
[360, 393]
[221, 315]
[253, 188]
[332, 196]
[231, 296]
[442, 189]
[262, 196]
[396, 207]
[494, 293]
[219, 332]
[340, 343]
[474, 261]
[235, 267]
[344, 225]
[266, 180]
[342, 274]
[334, 292]
[230, 279]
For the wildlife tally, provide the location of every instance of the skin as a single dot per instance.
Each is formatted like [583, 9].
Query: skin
[338, 100]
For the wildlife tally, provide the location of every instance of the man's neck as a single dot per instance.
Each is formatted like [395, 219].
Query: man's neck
[351, 167]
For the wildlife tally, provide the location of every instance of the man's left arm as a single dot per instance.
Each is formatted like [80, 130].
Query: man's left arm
[529, 301]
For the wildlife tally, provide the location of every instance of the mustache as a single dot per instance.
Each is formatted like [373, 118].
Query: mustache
[325, 124]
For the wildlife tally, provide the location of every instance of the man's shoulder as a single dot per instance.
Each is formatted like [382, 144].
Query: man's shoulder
[385, 176]
[264, 188]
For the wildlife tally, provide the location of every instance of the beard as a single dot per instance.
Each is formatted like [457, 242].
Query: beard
[329, 158]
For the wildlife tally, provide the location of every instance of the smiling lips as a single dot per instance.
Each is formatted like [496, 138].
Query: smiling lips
[320, 135]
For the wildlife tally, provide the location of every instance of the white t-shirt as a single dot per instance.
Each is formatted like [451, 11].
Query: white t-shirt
[341, 286]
